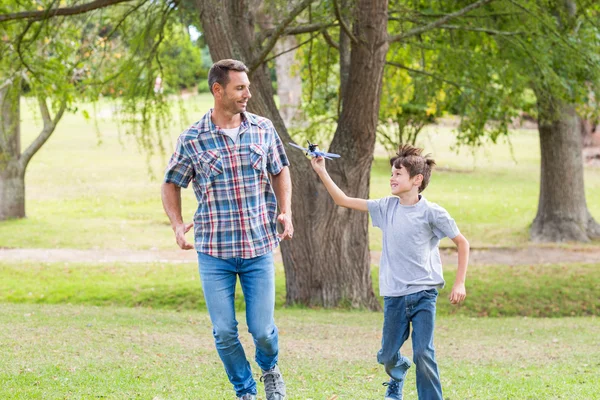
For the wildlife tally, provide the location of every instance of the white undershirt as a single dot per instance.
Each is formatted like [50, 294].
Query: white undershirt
[233, 133]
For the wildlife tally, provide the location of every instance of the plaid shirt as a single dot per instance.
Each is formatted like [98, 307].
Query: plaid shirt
[237, 208]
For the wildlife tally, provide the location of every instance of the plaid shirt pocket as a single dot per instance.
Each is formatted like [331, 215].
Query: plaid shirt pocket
[257, 157]
[210, 163]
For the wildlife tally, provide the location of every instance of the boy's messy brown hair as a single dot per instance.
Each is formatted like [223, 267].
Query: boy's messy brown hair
[410, 157]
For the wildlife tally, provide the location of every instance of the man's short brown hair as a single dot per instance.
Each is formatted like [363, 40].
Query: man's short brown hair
[219, 72]
[414, 162]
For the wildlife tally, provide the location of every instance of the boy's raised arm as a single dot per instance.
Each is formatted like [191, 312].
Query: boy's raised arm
[335, 192]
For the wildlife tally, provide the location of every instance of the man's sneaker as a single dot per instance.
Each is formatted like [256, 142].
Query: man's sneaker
[247, 396]
[274, 386]
[394, 390]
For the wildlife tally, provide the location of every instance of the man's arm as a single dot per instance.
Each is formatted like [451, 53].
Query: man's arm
[335, 192]
[459, 292]
[171, 198]
[282, 185]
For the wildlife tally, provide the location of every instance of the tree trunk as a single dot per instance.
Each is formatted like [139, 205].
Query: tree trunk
[12, 173]
[562, 210]
[289, 84]
[327, 264]
[590, 133]
[344, 58]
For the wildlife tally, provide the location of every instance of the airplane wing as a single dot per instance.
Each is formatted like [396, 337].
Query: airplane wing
[298, 147]
[327, 155]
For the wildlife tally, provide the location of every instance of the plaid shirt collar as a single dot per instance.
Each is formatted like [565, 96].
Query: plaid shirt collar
[206, 125]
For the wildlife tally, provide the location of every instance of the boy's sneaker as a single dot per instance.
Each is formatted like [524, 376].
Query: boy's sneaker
[394, 390]
[274, 386]
[247, 396]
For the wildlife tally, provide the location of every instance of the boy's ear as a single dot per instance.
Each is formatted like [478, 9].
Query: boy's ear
[418, 180]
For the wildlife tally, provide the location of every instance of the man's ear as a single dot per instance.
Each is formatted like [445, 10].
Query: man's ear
[217, 89]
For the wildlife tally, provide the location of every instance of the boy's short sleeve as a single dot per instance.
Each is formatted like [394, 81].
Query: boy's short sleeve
[277, 159]
[180, 169]
[378, 210]
[443, 224]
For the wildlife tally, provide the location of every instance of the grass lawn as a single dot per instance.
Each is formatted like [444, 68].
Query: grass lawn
[86, 195]
[536, 291]
[86, 352]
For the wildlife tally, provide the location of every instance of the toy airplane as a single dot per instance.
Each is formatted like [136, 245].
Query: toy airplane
[313, 151]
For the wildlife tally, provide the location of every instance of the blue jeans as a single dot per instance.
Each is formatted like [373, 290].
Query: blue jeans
[399, 313]
[257, 277]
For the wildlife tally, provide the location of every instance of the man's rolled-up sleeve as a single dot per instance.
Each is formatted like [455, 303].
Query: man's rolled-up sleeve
[180, 170]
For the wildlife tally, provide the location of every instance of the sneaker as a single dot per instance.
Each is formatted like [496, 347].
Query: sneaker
[274, 386]
[247, 396]
[394, 391]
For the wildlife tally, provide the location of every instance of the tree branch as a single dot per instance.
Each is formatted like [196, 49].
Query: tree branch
[422, 72]
[330, 40]
[343, 22]
[483, 30]
[50, 13]
[439, 22]
[292, 48]
[296, 30]
[490, 15]
[49, 126]
[277, 33]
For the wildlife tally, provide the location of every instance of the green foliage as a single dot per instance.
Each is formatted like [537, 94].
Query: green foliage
[116, 52]
[486, 65]
[181, 61]
[320, 97]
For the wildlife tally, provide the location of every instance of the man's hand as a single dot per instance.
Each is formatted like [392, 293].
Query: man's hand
[458, 293]
[288, 228]
[180, 231]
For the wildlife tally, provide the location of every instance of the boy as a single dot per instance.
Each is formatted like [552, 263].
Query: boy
[410, 271]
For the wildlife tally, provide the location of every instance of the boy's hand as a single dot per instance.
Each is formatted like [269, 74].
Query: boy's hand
[458, 293]
[318, 164]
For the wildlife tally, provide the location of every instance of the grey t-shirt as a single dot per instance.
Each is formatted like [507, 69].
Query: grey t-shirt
[410, 260]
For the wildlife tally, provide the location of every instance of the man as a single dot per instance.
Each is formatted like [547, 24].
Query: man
[239, 171]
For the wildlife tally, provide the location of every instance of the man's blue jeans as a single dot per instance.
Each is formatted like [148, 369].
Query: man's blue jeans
[257, 277]
[399, 313]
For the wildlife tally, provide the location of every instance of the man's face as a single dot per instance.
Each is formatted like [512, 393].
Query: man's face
[235, 95]
[401, 182]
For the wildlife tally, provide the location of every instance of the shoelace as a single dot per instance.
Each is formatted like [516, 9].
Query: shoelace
[270, 379]
[393, 385]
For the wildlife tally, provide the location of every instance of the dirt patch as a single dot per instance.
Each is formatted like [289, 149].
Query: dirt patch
[491, 256]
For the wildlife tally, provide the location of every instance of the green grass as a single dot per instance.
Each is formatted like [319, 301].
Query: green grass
[86, 352]
[86, 195]
[496, 291]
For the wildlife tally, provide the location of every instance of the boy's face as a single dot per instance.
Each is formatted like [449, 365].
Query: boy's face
[402, 183]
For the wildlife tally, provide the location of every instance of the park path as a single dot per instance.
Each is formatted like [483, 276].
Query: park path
[489, 256]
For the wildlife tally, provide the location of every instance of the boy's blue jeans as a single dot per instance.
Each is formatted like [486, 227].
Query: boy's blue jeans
[399, 313]
[257, 277]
